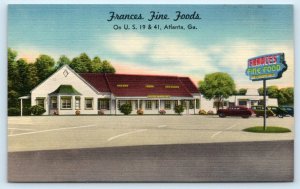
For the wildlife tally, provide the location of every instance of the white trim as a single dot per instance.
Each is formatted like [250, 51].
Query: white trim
[24, 97]
[70, 69]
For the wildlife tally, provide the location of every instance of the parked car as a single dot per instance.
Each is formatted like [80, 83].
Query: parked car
[235, 111]
[277, 111]
[289, 110]
[271, 111]
[259, 111]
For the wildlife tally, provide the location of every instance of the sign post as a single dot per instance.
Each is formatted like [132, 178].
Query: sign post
[265, 67]
[265, 104]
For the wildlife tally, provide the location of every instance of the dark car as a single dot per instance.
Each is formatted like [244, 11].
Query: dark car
[259, 111]
[235, 111]
[289, 110]
[277, 111]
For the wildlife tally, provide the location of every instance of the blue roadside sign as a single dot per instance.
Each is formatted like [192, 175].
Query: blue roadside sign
[265, 67]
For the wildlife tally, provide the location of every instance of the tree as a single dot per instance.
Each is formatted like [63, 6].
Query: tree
[217, 86]
[33, 76]
[45, 66]
[13, 100]
[272, 91]
[63, 60]
[82, 64]
[242, 91]
[22, 80]
[285, 96]
[96, 64]
[85, 59]
[106, 67]
[11, 68]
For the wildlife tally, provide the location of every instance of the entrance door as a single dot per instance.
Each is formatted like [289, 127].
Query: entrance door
[53, 105]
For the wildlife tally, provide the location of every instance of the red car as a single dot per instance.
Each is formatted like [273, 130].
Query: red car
[235, 111]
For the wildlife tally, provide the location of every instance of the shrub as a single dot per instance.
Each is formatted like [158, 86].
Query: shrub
[126, 109]
[202, 112]
[77, 112]
[26, 111]
[210, 112]
[13, 112]
[179, 109]
[101, 112]
[37, 110]
[162, 112]
[140, 112]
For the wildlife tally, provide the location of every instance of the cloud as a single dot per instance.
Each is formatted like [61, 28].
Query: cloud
[180, 54]
[30, 53]
[129, 44]
[177, 57]
[235, 55]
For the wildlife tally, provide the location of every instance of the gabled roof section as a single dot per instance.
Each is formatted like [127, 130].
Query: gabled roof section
[70, 69]
[145, 85]
[189, 84]
[65, 90]
[97, 80]
[127, 85]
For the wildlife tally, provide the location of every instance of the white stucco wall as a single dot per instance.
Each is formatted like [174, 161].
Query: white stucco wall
[57, 79]
[207, 105]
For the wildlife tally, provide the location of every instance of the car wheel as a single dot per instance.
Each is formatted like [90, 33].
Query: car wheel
[280, 115]
[222, 115]
[245, 116]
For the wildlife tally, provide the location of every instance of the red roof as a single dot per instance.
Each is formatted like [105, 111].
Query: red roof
[189, 84]
[141, 85]
[98, 81]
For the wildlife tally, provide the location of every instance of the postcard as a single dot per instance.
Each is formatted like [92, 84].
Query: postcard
[150, 93]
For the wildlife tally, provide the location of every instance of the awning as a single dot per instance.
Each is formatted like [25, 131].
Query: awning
[24, 97]
[65, 90]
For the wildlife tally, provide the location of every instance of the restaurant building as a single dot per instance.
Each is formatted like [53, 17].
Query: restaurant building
[66, 92]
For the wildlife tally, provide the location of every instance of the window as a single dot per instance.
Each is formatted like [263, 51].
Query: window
[66, 102]
[242, 103]
[148, 104]
[77, 103]
[167, 104]
[40, 101]
[103, 104]
[89, 103]
[225, 103]
[197, 104]
[53, 102]
[261, 102]
[136, 104]
[183, 103]
[191, 104]
[176, 102]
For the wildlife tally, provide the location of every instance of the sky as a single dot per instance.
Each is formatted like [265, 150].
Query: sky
[225, 38]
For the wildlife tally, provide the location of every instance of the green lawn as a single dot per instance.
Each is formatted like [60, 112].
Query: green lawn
[270, 129]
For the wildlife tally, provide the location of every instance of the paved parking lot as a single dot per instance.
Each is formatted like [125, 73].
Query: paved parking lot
[73, 132]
